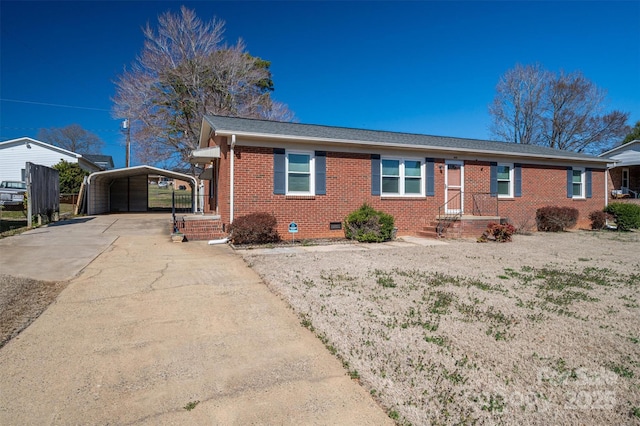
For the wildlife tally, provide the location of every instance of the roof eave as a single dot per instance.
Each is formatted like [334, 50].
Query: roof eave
[206, 129]
[223, 132]
[620, 148]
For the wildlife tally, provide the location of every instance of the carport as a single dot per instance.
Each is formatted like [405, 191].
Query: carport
[127, 190]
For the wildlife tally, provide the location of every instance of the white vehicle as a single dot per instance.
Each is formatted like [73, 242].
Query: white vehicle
[12, 192]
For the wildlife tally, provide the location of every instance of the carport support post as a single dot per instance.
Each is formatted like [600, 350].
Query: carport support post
[173, 211]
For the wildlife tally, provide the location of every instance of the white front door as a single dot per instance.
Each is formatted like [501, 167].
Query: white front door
[454, 187]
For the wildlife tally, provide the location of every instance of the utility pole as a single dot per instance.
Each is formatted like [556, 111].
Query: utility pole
[127, 129]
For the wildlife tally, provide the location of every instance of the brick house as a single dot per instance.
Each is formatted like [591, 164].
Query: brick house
[625, 171]
[316, 175]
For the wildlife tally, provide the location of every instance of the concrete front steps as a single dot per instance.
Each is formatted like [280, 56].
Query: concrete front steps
[462, 227]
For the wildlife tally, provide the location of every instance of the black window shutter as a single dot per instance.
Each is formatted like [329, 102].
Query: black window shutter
[375, 174]
[588, 183]
[569, 182]
[517, 178]
[321, 172]
[493, 173]
[430, 185]
[279, 171]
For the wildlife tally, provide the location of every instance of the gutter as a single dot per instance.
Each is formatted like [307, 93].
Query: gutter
[312, 139]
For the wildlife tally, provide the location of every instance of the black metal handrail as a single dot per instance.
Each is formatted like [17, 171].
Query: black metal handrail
[446, 219]
[483, 205]
[182, 203]
[485, 202]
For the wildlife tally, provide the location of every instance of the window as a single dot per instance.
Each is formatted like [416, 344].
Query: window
[412, 177]
[300, 173]
[390, 176]
[577, 182]
[403, 177]
[505, 180]
[625, 178]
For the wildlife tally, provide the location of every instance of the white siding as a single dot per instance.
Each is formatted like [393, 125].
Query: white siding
[98, 197]
[14, 156]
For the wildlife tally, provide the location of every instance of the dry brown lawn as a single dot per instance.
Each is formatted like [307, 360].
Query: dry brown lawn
[22, 300]
[543, 330]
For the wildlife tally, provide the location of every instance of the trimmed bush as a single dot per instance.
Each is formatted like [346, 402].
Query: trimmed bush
[501, 233]
[627, 216]
[368, 225]
[598, 219]
[556, 219]
[254, 228]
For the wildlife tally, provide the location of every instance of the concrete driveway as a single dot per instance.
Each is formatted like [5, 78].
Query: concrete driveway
[148, 327]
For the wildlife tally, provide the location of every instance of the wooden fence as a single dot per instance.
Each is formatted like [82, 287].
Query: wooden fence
[43, 193]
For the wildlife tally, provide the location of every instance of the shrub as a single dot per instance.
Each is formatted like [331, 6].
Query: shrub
[556, 219]
[254, 228]
[368, 225]
[627, 216]
[599, 219]
[501, 233]
[71, 177]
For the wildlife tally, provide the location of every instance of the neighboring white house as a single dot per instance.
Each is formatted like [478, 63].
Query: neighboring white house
[625, 170]
[15, 153]
[105, 162]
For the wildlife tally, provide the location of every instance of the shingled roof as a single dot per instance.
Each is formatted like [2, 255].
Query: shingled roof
[253, 127]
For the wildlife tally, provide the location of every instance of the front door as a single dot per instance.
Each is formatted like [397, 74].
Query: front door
[454, 187]
[625, 178]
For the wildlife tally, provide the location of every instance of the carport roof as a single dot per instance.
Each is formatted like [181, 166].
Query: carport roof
[137, 171]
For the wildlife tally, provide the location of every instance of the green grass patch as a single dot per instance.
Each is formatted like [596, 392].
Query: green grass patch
[384, 278]
[436, 340]
[191, 405]
[621, 371]
[495, 403]
[161, 197]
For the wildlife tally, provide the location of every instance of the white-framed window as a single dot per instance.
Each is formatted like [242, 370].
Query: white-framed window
[625, 178]
[577, 182]
[300, 173]
[505, 180]
[402, 177]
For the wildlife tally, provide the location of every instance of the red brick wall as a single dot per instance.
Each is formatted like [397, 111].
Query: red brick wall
[349, 185]
[547, 186]
[634, 177]
[205, 229]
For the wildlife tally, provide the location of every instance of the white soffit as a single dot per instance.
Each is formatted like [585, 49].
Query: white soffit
[204, 155]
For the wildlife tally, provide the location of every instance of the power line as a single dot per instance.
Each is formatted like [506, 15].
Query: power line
[19, 101]
[39, 128]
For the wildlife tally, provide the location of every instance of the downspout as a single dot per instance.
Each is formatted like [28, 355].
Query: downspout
[233, 145]
[606, 186]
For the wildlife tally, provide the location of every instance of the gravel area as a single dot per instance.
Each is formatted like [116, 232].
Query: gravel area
[543, 330]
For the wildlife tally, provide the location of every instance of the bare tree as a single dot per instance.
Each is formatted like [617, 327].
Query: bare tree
[73, 138]
[518, 104]
[563, 111]
[184, 72]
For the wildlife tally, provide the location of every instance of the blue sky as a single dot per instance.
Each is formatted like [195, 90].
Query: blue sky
[423, 66]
